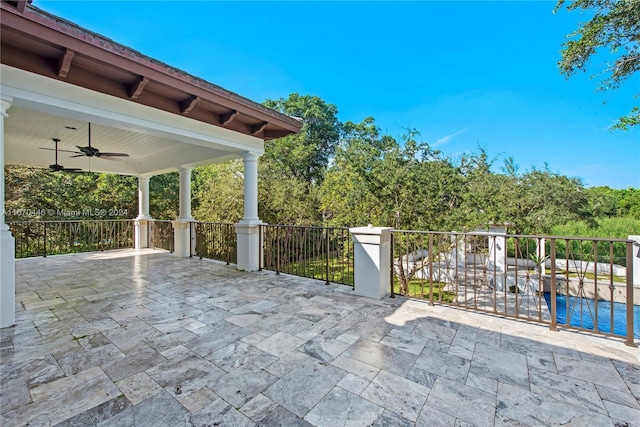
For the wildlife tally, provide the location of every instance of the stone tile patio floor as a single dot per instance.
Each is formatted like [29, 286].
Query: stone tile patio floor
[142, 338]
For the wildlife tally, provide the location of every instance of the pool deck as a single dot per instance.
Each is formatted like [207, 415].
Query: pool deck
[143, 338]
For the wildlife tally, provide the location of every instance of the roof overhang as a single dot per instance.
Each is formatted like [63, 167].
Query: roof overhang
[61, 76]
[44, 44]
[156, 141]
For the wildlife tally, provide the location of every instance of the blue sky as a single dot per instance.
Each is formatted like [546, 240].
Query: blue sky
[464, 74]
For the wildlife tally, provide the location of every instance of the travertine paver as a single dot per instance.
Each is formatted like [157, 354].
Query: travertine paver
[143, 338]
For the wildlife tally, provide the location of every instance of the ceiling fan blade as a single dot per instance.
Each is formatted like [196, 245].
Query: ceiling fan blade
[77, 155]
[112, 155]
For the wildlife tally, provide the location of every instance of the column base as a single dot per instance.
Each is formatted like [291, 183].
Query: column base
[7, 279]
[248, 235]
[372, 261]
[141, 231]
[182, 237]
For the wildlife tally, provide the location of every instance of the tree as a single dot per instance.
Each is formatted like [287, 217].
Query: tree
[218, 194]
[347, 197]
[377, 180]
[603, 201]
[487, 198]
[305, 155]
[164, 191]
[615, 25]
[548, 198]
[629, 203]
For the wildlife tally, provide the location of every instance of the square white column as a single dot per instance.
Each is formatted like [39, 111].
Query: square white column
[248, 238]
[141, 233]
[183, 237]
[372, 261]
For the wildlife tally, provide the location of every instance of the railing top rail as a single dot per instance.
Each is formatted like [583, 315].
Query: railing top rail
[315, 227]
[212, 222]
[521, 236]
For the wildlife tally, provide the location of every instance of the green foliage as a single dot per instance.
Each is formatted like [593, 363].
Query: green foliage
[486, 198]
[613, 25]
[164, 191]
[614, 228]
[284, 199]
[608, 202]
[306, 154]
[64, 195]
[218, 192]
[376, 180]
[40, 194]
[629, 203]
[546, 199]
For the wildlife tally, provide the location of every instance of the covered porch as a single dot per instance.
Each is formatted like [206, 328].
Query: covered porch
[141, 337]
[69, 97]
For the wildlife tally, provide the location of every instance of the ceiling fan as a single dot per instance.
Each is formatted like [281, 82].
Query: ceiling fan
[56, 167]
[90, 151]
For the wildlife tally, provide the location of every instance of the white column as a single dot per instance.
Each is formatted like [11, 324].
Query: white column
[372, 261]
[142, 221]
[185, 194]
[143, 198]
[250, 161]
[182, 234]
[7, 243]
[248, 229]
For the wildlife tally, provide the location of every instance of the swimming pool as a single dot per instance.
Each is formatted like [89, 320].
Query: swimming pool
[586, 307]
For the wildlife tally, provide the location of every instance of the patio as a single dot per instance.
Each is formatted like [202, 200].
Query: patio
[142, 337]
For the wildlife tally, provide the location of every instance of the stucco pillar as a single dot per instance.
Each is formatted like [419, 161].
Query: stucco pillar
[248, 229]
[182, 227]
[142, 221]
[497, 258]
[372, 261]
[7, 242]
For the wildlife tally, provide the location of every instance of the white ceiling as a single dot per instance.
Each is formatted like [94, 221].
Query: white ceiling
[156, 141]
[27, 131]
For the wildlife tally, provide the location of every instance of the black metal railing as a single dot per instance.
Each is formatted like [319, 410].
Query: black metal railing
[42, 238]
[216, 240]
[578, 283]
[323, 253]
[160, 234]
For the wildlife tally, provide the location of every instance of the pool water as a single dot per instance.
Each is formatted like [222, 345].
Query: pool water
[586, 307]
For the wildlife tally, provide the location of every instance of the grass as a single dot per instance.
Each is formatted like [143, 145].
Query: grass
[340, 269]
[420, 289]
[602, 278]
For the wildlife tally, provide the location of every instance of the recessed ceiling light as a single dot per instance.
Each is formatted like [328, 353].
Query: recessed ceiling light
[70, 128]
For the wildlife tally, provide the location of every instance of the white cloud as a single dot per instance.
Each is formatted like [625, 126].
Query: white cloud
[445, 139]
